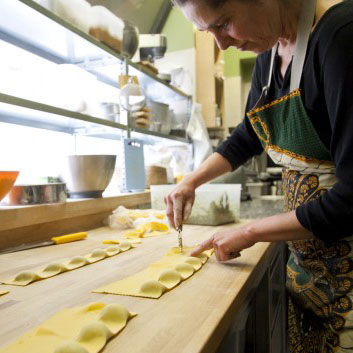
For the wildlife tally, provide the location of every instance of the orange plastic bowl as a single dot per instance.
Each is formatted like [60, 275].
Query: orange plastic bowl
[7, 179]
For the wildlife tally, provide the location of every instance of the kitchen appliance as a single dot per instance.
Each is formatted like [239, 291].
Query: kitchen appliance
[151, 47]
[53, 241]
[7, 179]
[87, 176]
[35, 194]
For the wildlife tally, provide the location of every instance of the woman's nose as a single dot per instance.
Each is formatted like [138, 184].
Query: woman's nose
[223, 42]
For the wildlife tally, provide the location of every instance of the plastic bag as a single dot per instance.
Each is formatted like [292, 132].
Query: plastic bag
[123, 218]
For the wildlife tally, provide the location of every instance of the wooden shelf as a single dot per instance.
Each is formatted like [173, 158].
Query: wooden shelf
[28, 224]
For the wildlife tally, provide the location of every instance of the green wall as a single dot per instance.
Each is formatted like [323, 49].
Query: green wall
[179, 31]
[232, 60]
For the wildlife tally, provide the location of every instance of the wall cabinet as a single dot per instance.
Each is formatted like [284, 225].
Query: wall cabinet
[32, 28]
[209, 77]
[260, 325]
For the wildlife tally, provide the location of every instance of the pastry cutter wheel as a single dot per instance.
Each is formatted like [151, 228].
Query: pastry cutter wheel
[180, 238]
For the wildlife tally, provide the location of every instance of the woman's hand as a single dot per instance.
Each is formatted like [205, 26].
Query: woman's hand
[179, 203]
[227, 245]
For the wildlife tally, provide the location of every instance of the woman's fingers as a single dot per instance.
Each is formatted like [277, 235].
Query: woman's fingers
[169, 211]
[206, 245]
[179, 203]
[178, 211]
[225, 245]
[187, 210]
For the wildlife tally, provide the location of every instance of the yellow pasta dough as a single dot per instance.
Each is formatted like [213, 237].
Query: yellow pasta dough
[3, 292]
[160, 276]
[75, 330]
[51, 270]
[118, 241]
[149, 229]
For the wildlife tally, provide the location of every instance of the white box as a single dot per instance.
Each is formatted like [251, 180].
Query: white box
[214, 204]
[258, 189]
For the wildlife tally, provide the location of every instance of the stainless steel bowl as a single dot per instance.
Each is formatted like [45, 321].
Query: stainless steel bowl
[87, 176]
[37, 194]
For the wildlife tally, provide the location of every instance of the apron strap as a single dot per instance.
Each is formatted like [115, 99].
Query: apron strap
[273, 54]
[261, 101]
[305, 24]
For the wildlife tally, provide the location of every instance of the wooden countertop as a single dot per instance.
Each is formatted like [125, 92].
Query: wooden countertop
[191, 318]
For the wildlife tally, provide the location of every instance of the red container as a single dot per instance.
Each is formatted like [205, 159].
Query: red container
[7, 180]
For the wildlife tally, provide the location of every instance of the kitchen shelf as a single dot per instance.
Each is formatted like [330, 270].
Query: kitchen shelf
[21, 111]
[29, 26]
[43, 33]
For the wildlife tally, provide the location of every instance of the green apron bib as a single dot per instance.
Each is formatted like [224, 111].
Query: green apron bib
[319, 276]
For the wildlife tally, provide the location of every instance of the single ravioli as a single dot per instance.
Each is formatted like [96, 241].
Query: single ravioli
[170, 278]
[125, 246]
[112, 250]
[96, 255]
[185, 270]
[152, 289]
[23, 278]
[195, 262]
[76, 262]
[52, 270]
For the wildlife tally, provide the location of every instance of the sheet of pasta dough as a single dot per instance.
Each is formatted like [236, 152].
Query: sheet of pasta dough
[160, 276]
[75, 330]
[3, 292]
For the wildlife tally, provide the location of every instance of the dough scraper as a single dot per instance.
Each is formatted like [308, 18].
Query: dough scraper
[53, 241]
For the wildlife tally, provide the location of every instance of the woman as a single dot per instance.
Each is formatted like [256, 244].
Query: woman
[300, 112]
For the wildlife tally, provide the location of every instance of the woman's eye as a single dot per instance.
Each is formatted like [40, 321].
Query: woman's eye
[223, 25]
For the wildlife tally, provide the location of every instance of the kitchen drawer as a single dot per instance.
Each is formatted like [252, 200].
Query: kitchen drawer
[241, 337]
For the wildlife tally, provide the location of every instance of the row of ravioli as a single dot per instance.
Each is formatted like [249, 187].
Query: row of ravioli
[26, 277]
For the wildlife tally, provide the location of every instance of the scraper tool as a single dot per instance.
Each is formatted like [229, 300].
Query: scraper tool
[55, 240]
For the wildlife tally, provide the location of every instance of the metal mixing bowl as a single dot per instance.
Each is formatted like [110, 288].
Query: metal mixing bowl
[87, 176]
[36, 194]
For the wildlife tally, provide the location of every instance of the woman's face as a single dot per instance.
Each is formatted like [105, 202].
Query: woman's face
[253, 25]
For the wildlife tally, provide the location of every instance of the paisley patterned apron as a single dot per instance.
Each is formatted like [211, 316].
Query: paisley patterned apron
[319, 276]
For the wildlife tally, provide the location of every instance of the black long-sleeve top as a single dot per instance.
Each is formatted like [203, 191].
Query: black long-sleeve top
[327, 93]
